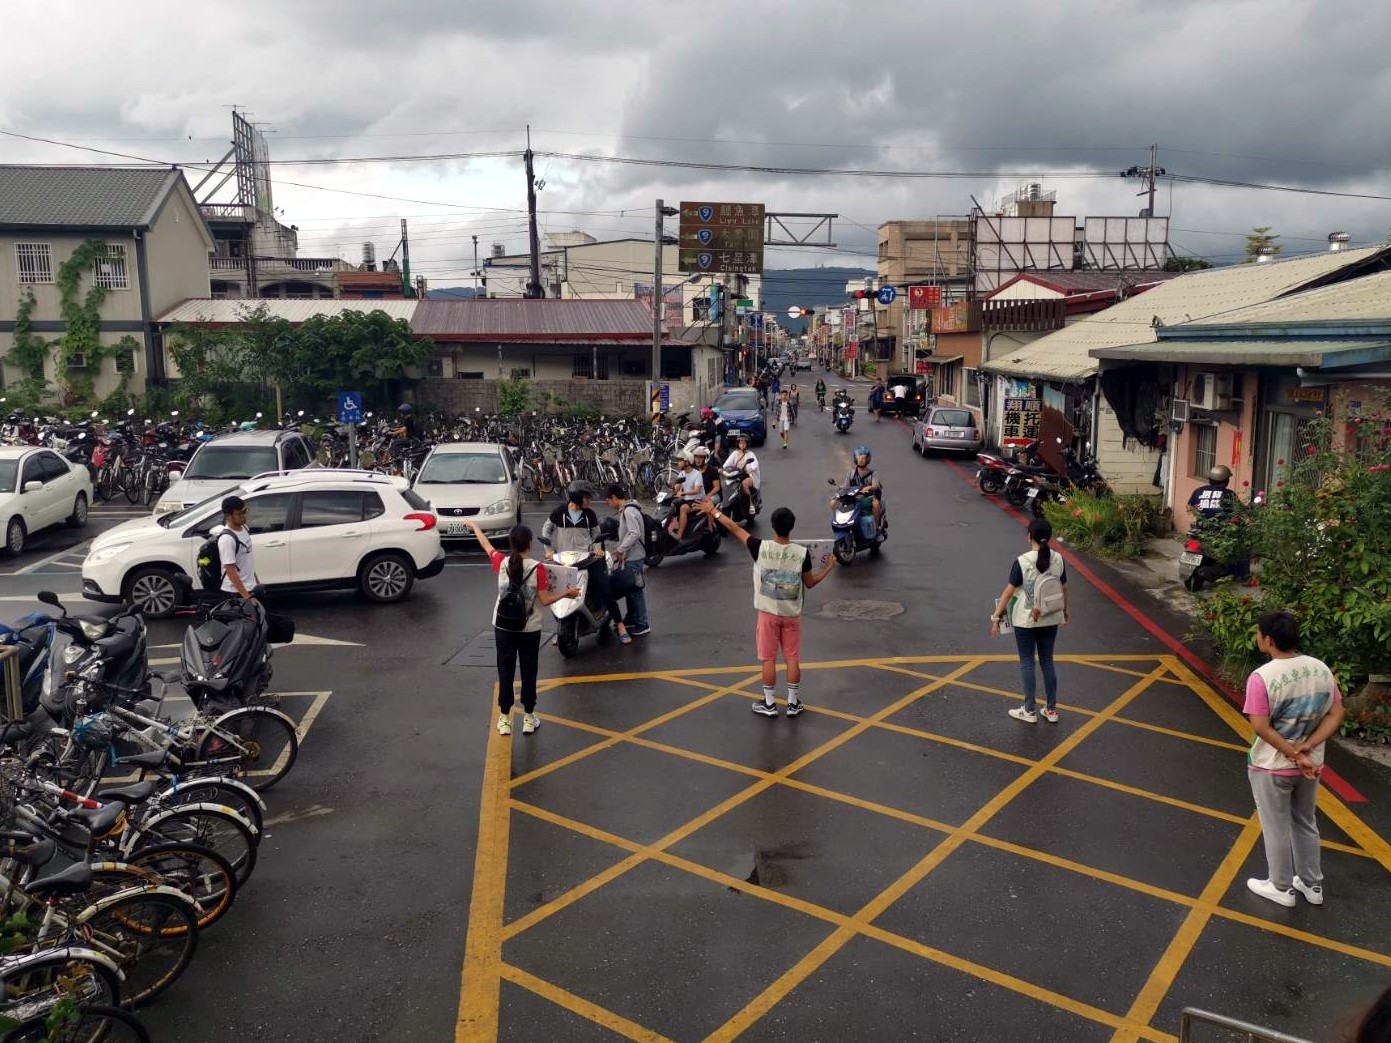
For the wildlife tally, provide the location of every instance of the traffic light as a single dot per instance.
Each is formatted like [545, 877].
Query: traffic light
[805, 313]
[865, 295]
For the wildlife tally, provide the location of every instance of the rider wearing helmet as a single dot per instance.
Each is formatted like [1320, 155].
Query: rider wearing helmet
[714, 429]
[1213, 499]
[405, 422]
[690, 489]
[742, 459]
[573, 526]
[709, 473]
[863, 476]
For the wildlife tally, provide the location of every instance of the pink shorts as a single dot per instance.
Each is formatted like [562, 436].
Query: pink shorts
[776, 632]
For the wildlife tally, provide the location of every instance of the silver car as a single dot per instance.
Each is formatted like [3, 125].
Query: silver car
[952, 429]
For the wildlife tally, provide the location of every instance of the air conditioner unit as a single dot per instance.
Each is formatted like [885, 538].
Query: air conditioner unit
[1178, 411]
[1212, 391]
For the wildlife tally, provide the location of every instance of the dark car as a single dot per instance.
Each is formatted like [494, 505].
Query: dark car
[909, 398]
[743, 412]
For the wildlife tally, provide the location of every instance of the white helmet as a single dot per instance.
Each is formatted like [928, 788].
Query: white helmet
[685, 456]
[701, 450]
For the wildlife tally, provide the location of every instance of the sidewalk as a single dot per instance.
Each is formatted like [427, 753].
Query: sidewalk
[1156, 571]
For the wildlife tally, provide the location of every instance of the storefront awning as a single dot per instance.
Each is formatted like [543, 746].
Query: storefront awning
[1308, 354]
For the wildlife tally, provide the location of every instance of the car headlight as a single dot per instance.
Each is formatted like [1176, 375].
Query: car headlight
[500, 507]
[167, 506]
[106, 553]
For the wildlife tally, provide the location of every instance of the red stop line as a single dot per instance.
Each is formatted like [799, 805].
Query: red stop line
[1339, 785]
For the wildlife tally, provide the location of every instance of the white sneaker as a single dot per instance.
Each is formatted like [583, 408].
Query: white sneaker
[504, 724]
[1021, 714]
[530, 722]
[1267, 890]
[1051, 716]
[1313, 893]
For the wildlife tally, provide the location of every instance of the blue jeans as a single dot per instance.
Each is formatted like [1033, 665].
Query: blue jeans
[1040, 641]
[636, 597]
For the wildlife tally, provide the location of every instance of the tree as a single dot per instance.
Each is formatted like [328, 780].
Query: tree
[1186, 264]
[1259, 241]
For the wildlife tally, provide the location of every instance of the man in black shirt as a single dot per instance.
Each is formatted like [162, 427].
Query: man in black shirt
[709, 473]
[405, 422]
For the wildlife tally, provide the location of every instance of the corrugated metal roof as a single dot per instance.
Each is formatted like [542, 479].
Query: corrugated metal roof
[1238, 352]
[1069, 283]
[514, 320]
[233, 310]
[91, 197]
[1213, 294]
[1363, 299]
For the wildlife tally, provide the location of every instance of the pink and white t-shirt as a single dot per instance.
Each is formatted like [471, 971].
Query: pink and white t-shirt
[1296, 694]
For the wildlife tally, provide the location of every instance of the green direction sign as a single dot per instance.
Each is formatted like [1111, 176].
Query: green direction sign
[722, 237]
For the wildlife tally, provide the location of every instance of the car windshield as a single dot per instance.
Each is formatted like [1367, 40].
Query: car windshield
[954, 418]
[8, 470]
[737, 400]
[464, 469]
[175, 517]
[237, 462]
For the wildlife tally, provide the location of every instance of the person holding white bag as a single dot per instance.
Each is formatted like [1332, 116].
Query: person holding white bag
[1036, 601]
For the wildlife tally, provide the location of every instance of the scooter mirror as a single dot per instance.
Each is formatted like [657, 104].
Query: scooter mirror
[49, 598]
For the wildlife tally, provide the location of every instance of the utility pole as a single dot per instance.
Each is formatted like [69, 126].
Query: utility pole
[534, 287]
[654, 393]
[475, 266]
[1148, 176]
[406, 290]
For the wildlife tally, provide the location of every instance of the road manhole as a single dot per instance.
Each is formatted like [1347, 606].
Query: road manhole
[865, 611]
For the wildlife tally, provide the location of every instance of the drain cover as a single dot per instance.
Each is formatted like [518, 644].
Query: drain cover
[868, 611]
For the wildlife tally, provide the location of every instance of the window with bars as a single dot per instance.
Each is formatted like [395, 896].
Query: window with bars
[110, 271]
[125, 361]
[1204, 449]
[584, 367]
[521, 374]
[34, 262]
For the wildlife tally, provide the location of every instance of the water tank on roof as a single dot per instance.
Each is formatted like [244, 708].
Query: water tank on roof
[499, 249]
[369, 257]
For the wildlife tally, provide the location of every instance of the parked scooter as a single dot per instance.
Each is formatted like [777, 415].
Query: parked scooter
[699, 535]
[991, 474]
[226, 658]
[735, 500]
[583, 616]
[1197, 565]
[842, 412]
[852, 524]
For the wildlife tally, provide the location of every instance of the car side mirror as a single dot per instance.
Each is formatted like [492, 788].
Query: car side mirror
[33, 487]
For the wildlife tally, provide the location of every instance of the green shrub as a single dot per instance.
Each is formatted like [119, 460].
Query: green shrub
[1110, 526]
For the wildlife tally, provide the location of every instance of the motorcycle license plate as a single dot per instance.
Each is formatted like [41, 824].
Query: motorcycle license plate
[1189, 558]
[1031, 494]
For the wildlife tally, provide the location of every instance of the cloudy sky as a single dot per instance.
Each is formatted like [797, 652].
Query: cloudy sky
[1067, 93]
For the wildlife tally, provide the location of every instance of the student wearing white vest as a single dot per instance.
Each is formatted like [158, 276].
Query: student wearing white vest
[1036, 599]
[1294, 706]
[781, 576]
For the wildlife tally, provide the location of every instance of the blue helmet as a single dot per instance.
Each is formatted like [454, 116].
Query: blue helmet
[404, 407]
[862, 450]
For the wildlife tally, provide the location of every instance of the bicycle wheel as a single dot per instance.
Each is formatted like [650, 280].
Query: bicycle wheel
[266, 739]
[89, 1023]
[58, 973]
[214, 789]
[217, 828]
[199, 872]
[151, 935]
[132, 482]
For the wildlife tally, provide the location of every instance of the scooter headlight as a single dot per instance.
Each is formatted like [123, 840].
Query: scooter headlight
[91, 631]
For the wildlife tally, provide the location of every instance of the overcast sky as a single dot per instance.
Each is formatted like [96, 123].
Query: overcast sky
[1290, 92]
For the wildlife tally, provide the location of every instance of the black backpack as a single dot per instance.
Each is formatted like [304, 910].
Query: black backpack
[651, 531]
[512, 610]
[209, 560]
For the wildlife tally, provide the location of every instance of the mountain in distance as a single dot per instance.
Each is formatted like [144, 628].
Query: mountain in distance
[813, 288]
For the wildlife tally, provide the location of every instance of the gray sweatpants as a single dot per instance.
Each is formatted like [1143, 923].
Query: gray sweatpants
[1289, 827]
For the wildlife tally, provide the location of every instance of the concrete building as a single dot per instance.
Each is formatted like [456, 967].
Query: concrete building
[935, 253]
[157, 247]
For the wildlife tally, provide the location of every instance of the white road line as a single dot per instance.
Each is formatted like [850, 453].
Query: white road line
[35, 566]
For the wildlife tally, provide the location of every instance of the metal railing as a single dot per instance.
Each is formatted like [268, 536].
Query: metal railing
[14, 695]
[226, 264]
[1235, 1029]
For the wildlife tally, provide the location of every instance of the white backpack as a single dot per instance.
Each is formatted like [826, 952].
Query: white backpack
[1048, 597]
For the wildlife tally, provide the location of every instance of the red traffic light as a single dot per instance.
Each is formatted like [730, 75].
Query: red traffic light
[864, 295]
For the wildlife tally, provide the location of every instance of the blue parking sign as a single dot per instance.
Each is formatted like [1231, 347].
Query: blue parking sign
[350, 407]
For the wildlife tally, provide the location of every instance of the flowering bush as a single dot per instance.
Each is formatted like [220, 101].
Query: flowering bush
[1323, 539]
[1111, 526]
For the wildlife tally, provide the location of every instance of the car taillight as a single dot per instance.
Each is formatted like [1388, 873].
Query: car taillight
[931, 433]
[427, 521]
[1194, 545]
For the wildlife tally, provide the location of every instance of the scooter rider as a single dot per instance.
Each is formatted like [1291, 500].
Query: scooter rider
[742, 459]
[863, 476]
[690, 490]
[1215, 500]
[709, 473]
[573, 526]
[820, 394]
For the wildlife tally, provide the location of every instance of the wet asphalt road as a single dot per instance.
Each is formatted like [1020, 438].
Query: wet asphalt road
[353, 927]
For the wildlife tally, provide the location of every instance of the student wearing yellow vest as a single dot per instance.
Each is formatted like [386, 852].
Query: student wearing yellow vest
[781, 576]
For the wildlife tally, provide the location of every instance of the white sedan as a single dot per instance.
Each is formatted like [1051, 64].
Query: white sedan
[38, 488]
[471, 480]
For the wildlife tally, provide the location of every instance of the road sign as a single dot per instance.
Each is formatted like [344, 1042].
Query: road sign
[886, 294]
[350, 407]
[722, 237]
[794, 312]
[743, 305]
[920, 298]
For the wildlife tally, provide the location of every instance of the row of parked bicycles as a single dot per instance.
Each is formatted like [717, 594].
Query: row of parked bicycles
[128, 828]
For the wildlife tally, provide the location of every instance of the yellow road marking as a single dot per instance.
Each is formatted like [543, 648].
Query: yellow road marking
[810, 963]
[579, 1005]
[1161, 979]
[477, 1019]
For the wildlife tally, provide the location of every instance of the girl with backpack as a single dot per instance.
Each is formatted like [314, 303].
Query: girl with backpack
[1036, 601]
[522, 592]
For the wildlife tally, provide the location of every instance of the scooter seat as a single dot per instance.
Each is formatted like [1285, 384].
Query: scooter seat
[71, 881]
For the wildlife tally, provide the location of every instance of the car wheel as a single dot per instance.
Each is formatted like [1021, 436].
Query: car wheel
[152, 590]
[386, 578]
[15, 535]
[78, 518]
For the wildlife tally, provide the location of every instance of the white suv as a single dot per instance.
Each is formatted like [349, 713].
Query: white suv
[315, 530]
